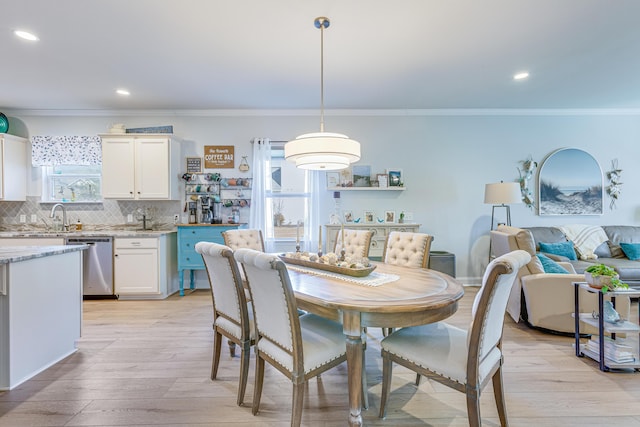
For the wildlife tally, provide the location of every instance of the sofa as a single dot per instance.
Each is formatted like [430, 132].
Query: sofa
[541, 299]
[608, 252]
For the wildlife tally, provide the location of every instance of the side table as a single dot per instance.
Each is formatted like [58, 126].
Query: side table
[624, 326]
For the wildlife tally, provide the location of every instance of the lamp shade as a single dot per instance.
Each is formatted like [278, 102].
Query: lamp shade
[322, 151]
[502, 193]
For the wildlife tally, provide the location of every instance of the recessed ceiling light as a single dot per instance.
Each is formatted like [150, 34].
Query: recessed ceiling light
[521, 76]
[26, 35]
[123, 92]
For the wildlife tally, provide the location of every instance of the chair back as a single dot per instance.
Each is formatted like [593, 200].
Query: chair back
[356, 243]
[489, 306]
[230, 310]
[407, 249]
[244, 238]
[274, 306]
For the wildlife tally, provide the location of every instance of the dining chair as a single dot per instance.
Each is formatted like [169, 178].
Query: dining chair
[300, 347]
[356, 243]
[464, 360]
[407, 249]
[232, 314]
[244, 238]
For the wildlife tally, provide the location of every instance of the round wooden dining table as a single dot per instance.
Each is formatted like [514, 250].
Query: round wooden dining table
[415, 296]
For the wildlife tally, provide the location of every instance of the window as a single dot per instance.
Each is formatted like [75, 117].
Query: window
[72, 183]
[288, 197]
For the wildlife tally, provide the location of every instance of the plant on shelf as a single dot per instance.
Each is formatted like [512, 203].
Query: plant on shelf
[603, 277]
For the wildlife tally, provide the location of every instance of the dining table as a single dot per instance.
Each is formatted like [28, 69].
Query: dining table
[391, 296]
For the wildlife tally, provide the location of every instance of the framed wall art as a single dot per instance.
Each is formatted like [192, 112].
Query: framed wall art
[369, 217]
[333, 179]
[348, 216]
[194, 164]
[389, 216]
[395, 177]
[361, 175]
[570, 183]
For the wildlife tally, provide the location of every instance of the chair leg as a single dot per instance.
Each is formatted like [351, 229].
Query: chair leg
[257, 391]
[473, 408]
[365, 388]
[498, 392]
[386, 385]
[232, 348]
[217, 342]
[244, 371]
[296, 406]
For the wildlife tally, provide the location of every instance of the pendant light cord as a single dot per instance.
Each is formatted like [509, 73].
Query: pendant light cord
[322, 23]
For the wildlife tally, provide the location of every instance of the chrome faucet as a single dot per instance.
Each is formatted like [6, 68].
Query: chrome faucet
[65, 224]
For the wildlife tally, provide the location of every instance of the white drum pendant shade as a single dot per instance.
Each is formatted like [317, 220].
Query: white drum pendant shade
[322, 151]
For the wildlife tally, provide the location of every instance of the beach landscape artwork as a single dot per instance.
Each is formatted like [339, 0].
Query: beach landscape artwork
[570, 183]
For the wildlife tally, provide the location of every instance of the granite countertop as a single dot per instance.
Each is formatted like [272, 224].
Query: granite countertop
[23, 253]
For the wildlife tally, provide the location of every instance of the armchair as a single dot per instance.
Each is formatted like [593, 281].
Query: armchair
[544, 300]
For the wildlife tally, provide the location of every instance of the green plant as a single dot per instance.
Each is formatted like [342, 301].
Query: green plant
[604, 270]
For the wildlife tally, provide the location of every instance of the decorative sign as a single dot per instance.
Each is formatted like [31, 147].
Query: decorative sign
[219, 157]
[194, 164]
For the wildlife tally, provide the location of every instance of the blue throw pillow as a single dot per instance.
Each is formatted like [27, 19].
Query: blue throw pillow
[631, 250]
[550, 266]
[561, 248]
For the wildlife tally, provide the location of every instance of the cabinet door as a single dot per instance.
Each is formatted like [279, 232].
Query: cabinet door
[118, 173]
[13, 168]
[136, 271]
[152, 168]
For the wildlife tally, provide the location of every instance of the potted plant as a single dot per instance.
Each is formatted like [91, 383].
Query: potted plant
[603, 277]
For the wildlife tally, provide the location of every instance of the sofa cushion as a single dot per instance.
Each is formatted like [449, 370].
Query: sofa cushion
[631, 250]
[550, 266]
[628, 270]
[560, 248]
[618, 234]
[546, 234]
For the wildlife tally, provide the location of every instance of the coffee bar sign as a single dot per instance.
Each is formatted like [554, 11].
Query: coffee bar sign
[219, 157]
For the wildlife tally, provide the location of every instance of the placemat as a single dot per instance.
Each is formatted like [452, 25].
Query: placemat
[373, 279]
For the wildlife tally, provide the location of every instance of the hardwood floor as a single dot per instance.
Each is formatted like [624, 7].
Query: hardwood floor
[148, 364]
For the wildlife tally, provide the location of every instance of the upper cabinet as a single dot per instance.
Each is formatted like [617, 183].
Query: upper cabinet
[13, 168]
[140, 167]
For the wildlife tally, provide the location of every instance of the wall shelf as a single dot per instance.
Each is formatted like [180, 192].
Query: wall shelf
[366, 188]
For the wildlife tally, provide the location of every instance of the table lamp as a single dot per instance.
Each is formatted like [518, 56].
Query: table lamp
[501, 195]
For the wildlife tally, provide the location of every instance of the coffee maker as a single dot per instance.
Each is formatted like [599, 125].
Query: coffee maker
[207, 210]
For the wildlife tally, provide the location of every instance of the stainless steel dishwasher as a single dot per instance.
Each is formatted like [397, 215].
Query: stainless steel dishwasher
[97, 263]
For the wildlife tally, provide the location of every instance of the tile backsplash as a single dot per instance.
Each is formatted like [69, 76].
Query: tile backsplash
[92, 215]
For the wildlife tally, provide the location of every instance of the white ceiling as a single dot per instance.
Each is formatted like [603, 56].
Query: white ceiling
[265, 54]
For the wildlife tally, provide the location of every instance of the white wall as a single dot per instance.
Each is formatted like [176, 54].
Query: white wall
[447, 158]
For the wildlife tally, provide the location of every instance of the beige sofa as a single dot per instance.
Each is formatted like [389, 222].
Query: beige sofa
[545, 300]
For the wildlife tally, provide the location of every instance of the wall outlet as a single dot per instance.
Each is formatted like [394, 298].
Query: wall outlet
[34, 218]
[130, 218]
[23, 219]
[176, 218]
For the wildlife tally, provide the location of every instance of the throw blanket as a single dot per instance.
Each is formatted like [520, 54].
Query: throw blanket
[586, 238]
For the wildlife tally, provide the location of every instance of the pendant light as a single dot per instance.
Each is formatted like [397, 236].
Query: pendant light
[322, 150]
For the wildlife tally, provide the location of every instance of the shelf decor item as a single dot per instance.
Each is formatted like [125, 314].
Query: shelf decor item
[395, 178]
[603, 277]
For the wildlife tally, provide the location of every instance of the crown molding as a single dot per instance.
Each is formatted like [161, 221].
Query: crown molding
[345, 112]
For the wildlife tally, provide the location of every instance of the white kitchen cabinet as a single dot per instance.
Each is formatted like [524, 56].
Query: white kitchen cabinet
[140, 167]
[13, 168]
[145, 268]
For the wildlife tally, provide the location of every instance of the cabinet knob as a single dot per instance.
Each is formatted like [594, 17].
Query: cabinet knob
[115, 255]
[188, 244]
[130, 192]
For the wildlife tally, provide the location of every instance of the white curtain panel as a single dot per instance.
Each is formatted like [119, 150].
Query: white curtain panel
[66, 150]
[312, 231]
[261, 176]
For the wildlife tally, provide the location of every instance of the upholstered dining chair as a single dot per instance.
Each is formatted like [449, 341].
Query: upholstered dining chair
[244, 238]
[464, 360]
[407, 249]
[232, 314]
[301, 347]
[356, 242]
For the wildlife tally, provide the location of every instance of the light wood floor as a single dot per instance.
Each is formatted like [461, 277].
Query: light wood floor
[148, 364]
